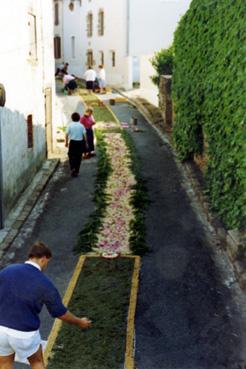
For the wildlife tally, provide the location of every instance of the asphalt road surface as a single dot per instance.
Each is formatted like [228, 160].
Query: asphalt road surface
[187, 317]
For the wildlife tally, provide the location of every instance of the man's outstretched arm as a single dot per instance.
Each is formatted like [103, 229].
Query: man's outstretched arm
[83, 323]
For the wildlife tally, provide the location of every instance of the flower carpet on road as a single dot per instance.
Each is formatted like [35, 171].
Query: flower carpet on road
[117, 225]
[115, 230]
[104, 286]
[107, 125]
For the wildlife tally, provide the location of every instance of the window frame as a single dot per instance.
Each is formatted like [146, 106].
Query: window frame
[33, 45]
[57, 47]
[89, 24]
[56, 14]
[29, 122]
[101, 22]
[113, 58]
[89, 58]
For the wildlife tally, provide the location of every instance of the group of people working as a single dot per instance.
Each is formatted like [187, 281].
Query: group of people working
[94, 81]
[80, 139]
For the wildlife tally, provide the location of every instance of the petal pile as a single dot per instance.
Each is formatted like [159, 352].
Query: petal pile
[115, 230]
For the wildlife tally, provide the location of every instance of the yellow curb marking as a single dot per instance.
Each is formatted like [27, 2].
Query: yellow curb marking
[105, 106]
[113, 114]
[58, 323]
[129, 354]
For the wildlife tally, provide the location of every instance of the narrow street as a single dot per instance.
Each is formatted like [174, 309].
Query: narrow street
[188, 315]
[122, 156]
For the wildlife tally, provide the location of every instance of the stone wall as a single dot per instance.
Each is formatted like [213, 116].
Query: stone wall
[165, 100]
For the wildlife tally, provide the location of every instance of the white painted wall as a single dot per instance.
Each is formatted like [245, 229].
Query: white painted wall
[114, 39]
[146, 70]
[24, 79]
[73, 25]
[58, 28]
[133, 28]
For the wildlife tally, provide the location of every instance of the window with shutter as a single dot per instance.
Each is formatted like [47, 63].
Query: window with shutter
[32, 30]
[29, 131]
[57, 47]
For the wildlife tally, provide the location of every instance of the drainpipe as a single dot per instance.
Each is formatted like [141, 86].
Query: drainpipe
[128, 83]
[1, 175]
[128, 28]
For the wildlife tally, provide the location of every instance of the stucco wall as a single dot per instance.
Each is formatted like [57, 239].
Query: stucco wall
[146, 71]
[114, 39]
[73, 27]
[25, 80]
[133, 28]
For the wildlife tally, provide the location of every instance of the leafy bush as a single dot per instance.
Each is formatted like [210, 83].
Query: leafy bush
[162, 61]
[209, 99]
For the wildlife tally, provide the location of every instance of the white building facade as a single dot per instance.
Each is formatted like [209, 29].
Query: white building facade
[27, 76]
[121, 34]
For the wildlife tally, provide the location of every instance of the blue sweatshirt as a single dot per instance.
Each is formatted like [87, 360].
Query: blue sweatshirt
[24, 289]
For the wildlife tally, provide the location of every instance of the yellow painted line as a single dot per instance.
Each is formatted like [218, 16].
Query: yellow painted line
[113, 114]
[57, 324]
[105, 106]
[129, 354]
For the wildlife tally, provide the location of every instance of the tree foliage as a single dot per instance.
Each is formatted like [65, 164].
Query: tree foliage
[162, 62]
[209, 99]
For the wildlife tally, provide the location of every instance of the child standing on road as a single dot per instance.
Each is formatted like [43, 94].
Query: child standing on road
[88, 122]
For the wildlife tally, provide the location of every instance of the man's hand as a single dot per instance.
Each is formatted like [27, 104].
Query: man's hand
[84, 323]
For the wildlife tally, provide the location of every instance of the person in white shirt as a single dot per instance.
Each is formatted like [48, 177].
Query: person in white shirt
[70, 83]
[76, 135]
[102, 79]
[90, 78]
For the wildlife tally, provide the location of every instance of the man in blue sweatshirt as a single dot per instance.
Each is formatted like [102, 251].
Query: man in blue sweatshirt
[24, 289]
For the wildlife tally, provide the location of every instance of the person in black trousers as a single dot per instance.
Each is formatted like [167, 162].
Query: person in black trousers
[76, 136]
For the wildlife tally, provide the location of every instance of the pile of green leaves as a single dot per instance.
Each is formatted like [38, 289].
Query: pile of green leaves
[209, 95]
[162, 62]
[102, 293]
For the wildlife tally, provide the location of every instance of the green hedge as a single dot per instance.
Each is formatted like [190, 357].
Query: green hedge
[209, 94]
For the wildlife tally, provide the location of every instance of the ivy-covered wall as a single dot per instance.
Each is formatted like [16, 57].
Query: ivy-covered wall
[209, 93]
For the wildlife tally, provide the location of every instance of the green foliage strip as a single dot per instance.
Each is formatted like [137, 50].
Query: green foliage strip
[209, 95]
